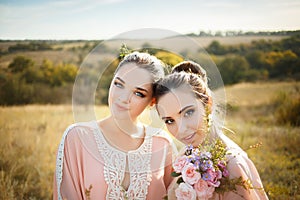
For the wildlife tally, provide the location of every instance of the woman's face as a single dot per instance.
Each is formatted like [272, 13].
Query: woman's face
[130, 92]
[183, 115]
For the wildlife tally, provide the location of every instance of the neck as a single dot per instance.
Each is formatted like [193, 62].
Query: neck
[129, 127]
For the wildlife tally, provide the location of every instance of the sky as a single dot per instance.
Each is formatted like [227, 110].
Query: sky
[105, 19]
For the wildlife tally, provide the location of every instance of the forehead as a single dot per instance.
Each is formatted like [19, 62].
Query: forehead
[134, 75]
[171, 103]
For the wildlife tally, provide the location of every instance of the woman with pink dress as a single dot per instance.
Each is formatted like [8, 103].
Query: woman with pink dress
[118, 157]
[185, 104]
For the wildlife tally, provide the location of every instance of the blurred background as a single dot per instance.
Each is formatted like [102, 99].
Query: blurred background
[43, 44]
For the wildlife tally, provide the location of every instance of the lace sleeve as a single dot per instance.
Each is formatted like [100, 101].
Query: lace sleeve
[59, 161]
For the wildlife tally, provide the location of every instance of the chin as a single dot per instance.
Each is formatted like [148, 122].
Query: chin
[120, 115]
[198, 142]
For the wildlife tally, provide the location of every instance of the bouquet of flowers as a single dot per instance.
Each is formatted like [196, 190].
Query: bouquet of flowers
[202, 171]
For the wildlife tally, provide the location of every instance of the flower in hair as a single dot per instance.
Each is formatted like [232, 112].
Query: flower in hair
[124, 51]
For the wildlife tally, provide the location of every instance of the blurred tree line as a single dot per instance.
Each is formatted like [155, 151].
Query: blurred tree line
[25, 82]
[242, 33]
[260, 60]
[31, 46]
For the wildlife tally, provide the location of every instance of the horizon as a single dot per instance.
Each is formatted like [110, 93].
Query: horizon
[240, 34]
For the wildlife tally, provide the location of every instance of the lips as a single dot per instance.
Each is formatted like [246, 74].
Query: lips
[188, 139]
[121, 108]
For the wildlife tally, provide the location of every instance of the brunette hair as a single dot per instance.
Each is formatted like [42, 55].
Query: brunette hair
[186, 73]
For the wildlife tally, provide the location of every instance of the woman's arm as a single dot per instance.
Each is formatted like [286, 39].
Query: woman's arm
[242, 166]
[168, 167]
[67, 177]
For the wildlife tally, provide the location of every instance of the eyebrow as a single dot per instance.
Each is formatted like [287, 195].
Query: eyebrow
[120, 79]
[182, 110]
[185, 108]
[138, 88]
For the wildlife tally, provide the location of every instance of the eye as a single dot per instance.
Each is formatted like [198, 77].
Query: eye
[139, 94]
[189, 113]
[169, 121]
[118, 84]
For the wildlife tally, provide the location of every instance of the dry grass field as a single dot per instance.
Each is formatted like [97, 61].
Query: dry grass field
[30, 136]
[251, 116]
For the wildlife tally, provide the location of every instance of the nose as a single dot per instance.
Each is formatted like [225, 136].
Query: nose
[182, 129]
[125, 97]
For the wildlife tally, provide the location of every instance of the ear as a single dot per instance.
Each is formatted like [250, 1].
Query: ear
[153, 101]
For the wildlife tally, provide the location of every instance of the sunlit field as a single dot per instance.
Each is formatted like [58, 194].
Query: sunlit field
[30, 136]
[251, 116]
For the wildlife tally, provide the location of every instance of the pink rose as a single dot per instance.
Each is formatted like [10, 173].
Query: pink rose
[185, 192]
[219, 174]
[190, 175]
[179, 163]
[212, 177]
[203, 191]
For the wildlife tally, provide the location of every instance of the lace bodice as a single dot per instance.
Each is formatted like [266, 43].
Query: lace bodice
[115, 166]
[85, 158]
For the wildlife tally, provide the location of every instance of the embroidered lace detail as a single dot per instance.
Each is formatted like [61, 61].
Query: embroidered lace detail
[115, 165]
[60, 160]
[60, 156]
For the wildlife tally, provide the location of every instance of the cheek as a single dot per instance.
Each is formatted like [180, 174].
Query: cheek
[173, 130]
[199, 123]
[110, 95]
[201, 133]
[113, 91]
[139, 104]
[193, 122]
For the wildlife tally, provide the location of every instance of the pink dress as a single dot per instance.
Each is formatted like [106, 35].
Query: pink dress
[88, 167]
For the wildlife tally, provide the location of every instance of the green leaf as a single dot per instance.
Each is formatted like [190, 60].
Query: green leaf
[174, 174]
[180, 180]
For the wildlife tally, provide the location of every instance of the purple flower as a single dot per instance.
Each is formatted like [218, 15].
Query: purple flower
[225, 172]
[208, 175]
[206, 164]
[205, 155]
[223, 168]
[190, 159]
[222, 165]
[189, 147]
[189, 150]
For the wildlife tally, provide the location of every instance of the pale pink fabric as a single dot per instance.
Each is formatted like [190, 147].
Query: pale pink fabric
[82, 169]
[240, 165]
